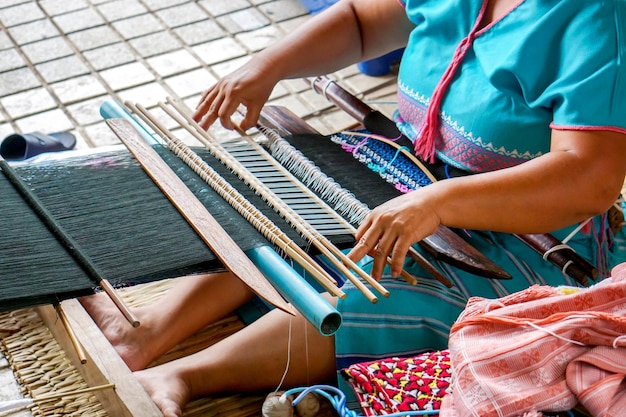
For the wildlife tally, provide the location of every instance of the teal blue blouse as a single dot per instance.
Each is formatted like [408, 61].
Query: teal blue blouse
[547, 64]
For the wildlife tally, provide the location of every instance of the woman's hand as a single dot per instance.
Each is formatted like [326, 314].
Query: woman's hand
[343, 34]
[250, 86]
[580, 177]
[391, 228]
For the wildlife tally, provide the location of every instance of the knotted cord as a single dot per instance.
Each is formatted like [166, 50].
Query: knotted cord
[425, 144]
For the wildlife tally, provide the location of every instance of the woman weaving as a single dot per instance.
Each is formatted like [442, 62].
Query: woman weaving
[528, 96]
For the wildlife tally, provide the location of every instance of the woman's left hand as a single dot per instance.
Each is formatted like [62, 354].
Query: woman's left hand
[391, 228]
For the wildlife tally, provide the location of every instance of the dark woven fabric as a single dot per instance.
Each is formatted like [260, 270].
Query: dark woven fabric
[120, 218]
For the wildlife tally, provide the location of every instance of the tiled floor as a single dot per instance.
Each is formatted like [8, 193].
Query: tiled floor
[60, 59]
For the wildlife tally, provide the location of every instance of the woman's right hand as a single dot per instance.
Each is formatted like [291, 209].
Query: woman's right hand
[347, 32]
[249, 86]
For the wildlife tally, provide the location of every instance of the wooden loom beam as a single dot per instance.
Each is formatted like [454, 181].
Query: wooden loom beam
[103, 364]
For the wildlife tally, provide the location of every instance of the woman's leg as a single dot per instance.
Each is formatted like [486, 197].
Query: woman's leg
[192, 303]
[255, 358]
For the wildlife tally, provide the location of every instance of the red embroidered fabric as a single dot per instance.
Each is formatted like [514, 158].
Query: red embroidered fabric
[401, 384]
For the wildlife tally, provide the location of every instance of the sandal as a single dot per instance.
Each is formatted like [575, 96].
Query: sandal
[23, 146]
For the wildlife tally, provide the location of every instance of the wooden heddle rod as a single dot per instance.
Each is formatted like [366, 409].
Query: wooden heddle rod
[334, 255]
[223, 246]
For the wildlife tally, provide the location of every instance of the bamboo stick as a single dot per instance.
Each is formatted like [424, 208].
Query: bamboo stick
[337, 258]
[58, 395]
[261, 222]
[80, 352]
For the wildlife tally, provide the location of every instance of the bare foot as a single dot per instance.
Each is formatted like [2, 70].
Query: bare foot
[169, 392]
[132, 344]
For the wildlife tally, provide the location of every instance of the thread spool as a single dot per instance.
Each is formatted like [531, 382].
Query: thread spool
[277, 404]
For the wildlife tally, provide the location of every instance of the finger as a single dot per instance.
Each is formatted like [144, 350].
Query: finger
[380, 262]
[226, 110]
[251, 118]
[212, 112]
[363, 227]
[398, 257]
[360, 249]
[380, 253]
[203, 105]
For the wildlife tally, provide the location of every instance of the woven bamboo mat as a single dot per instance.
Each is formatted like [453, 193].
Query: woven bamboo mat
[42, 368]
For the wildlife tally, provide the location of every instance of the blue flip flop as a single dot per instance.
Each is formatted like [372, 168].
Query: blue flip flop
[23, 146]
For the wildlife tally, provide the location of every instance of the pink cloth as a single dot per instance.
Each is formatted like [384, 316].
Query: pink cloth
[543, 349]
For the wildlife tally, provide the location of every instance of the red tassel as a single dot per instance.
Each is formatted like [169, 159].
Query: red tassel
[425, 144]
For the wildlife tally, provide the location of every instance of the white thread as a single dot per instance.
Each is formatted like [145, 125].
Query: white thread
[553, 334]
[568, 263]
[326, 88]
[288, 358]
[277, 405]
[554, 249]
[617, 340]
[306, 352]
[345, 202]
[576, 230]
